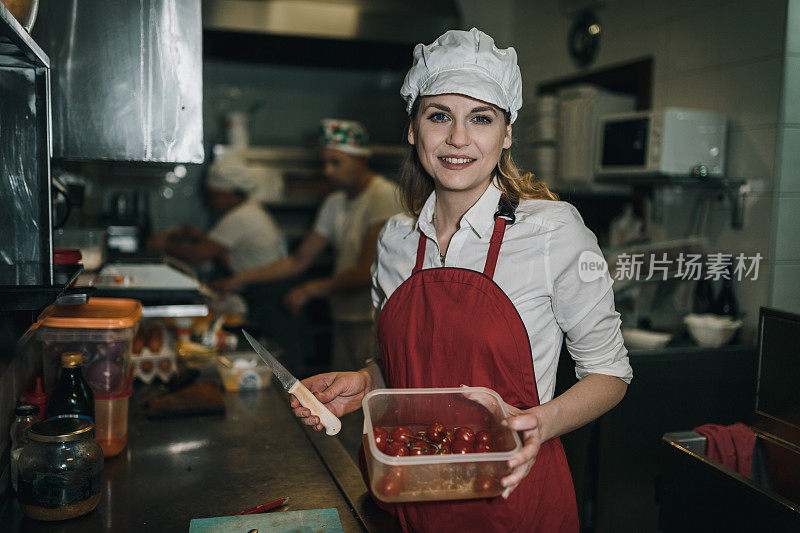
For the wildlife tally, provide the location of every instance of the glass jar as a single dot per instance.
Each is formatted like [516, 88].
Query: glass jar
[25, 418]
[60, 470]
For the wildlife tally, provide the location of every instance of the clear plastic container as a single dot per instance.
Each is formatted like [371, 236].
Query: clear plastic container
[247, 372]
[102, 330]
[437, 477]
[91, 243]
[111, 420]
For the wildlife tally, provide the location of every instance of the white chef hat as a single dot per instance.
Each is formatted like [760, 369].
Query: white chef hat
[347, 136]
[229, 174]
[468, 63]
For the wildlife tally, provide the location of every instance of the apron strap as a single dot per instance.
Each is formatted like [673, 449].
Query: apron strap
[494, 246]
[502, 217]
[423, 241]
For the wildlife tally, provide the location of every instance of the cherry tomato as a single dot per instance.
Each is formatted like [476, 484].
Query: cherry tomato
[484, 484]
[464, 434]
[401, 434]
[381, 438]
[422, 435]
[399, 472]
[483, 447]
[461, 446]
[389, 486]
[483, 436]
[397, 449]
[421, 449]
[437, 432]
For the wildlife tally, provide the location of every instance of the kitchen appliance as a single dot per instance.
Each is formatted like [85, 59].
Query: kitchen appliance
[293, 386]
[707, 496]
[580, 108]
[669, 141]
[127, 215]
[166, 288]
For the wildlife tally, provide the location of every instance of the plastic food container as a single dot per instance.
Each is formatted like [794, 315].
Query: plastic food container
[437, 477]
[111, 419]
[102, 330]
[90, 242]
[247, 372]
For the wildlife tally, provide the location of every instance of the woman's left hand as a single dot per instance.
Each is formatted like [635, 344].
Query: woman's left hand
[529, 424]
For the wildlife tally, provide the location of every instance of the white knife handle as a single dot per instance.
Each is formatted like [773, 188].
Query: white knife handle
[332, 424]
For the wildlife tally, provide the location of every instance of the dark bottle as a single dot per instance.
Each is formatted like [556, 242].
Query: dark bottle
[71, 396]
[703, 297]
[726, 304]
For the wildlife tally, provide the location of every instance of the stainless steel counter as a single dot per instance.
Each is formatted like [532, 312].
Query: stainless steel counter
[177, 469]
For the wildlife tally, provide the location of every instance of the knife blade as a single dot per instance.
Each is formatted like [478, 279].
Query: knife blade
[293, 386]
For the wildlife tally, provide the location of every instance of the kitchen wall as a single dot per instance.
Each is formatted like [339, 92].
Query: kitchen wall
[785, 289]
[722, 55]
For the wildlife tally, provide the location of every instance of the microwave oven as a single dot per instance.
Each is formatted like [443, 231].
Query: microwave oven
[668, 141]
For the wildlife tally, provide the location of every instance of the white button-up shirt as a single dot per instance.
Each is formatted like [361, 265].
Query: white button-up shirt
[538, 269]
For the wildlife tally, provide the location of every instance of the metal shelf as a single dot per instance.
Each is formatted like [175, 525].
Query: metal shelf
[17, 48]
[734, 189]
[37, 297]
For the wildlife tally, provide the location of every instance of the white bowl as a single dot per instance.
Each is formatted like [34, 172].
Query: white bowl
[711, 331]
[642, 339]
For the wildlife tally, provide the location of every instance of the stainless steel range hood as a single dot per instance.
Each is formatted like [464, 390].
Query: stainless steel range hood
[394, 21]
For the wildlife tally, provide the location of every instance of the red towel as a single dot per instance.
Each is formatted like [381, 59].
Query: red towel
[730, 445]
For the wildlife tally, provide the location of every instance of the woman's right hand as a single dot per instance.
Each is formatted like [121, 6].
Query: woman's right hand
[340, 392]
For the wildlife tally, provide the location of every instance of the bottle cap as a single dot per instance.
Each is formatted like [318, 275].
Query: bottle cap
[71, 359]
[26, 410]
[36, 397]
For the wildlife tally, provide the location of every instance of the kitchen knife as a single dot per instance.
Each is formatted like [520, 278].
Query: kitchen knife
[293, 386]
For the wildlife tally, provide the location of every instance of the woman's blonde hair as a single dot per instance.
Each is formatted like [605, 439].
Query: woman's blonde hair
[416, 184]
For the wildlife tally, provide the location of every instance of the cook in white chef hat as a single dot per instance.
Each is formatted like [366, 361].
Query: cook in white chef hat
[347, 136]
[231, 174]
[468, 63]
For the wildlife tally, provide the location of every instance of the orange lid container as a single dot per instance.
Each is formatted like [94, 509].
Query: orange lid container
[97, 313]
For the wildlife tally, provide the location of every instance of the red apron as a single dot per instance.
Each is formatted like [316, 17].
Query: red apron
[444, 327]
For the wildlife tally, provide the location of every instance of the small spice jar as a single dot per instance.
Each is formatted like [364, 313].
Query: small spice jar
[60, 470]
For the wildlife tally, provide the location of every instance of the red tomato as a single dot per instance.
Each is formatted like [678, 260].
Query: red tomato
[484, 483]
[381, 438]
[464, 434]
[483, 447]
[401, 434]
[437, 432]
[397, 449]
[421, 449]
[389, 486]
[461, 446]
[483, 436]
[399, 472]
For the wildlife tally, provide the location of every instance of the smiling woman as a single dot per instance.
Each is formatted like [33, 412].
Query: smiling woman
[497, 313]
[484, 123]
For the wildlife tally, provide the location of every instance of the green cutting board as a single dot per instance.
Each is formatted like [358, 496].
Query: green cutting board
[313, 521]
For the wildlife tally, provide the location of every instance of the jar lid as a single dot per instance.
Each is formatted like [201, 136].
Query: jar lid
[26, 410]
[97, 313]
[61, 430]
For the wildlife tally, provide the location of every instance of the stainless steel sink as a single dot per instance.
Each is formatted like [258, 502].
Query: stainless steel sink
[697, 493]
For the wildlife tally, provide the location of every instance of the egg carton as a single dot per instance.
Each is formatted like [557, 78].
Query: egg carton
[147, 367]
